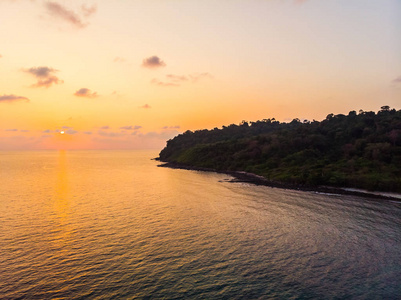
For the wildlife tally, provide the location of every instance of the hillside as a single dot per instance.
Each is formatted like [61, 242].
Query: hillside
[358, 150]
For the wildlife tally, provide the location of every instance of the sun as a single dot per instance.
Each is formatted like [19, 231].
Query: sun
[62, 132]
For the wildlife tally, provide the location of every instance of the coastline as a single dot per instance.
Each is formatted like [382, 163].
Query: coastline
[245, 177]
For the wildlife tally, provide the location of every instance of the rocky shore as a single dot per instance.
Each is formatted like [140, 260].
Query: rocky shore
[245, 177]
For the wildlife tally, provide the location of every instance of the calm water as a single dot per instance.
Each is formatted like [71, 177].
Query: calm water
[110, 224]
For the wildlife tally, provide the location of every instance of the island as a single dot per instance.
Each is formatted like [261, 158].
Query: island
[355, 151]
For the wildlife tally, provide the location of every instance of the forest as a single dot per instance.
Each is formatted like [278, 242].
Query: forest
[358, 150]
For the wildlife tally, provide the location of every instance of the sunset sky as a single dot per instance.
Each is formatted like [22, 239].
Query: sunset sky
[130, 74]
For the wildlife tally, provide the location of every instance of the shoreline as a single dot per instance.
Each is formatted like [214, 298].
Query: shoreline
[245, 177]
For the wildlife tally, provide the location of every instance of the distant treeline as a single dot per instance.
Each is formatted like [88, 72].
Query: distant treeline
[360, 150]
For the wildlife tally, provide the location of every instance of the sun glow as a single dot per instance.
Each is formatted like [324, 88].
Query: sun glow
[139, 93]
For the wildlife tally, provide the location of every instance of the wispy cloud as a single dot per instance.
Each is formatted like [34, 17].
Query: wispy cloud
[198, 76]
[77, 19]
[64, 129]
[119, 59]
[87, 11]
[177, 80]
[397, 80]
[136, 127]
[84, 92]
[110, 133]
[117, 94]
[12, 129]
[105, 127]
[70, 131]
[44, 75]
[146, 106]
[163, 135]
[171, 127]
[12, 98]
[153, 62]
[163, 83]
[133, 139]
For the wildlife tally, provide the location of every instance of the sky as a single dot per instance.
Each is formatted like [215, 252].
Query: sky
[131, 74]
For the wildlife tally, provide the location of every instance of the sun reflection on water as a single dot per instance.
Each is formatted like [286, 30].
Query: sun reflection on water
[61, 202]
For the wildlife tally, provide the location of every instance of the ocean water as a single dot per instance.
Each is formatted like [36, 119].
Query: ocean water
[112, 225]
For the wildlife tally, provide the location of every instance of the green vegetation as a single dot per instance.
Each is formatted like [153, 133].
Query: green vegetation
[356, 150]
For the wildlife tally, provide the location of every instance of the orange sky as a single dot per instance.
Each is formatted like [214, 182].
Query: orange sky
[132, 74]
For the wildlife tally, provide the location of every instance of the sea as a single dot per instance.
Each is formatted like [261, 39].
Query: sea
[114, 225]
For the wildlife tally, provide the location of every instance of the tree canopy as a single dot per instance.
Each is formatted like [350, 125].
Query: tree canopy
[360, 150]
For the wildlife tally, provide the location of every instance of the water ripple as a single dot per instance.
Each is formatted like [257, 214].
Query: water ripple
[104, 225]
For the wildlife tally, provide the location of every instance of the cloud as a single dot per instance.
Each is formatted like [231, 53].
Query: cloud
[153, 62]
[1, 56]
[116, 94]
[161, 83]
[194, 77]
[119, 59]
[71, 131]
[146, 106]
[197, 76]
[87, 132]
[66, 129]
[110, 134]
[134, 140]
[44, 75]
[13, 129]
[59, 11]
[171, 127]
[84, 92]
[105, 127]
[19, 142]
[163, 135]
[177, 80]
[136, 127]
[397, 80]
[12, 98]
[87, 11]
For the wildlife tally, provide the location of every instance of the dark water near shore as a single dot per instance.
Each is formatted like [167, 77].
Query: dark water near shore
[110, 224]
